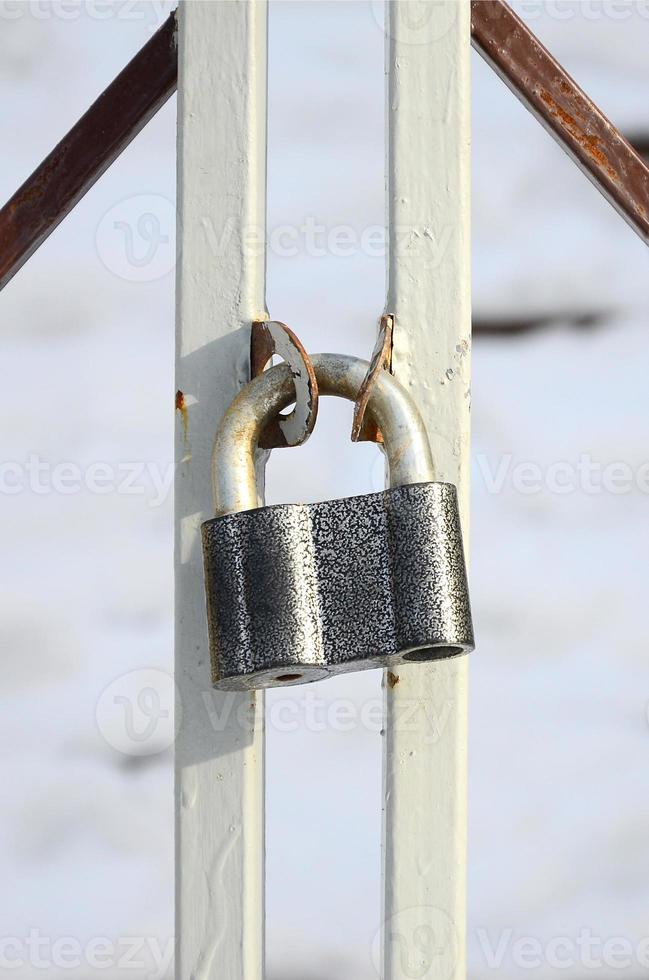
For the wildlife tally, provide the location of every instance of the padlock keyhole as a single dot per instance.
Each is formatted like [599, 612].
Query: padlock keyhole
[285, 678]
[432, 653]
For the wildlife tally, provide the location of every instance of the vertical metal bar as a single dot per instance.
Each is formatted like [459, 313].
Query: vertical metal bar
[220, 285]
[428, 50]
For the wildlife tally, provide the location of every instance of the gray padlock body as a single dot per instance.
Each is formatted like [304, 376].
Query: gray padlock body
[297, 592]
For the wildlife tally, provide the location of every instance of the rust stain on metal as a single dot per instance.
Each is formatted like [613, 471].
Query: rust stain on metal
[392, 679]
[181, 407]
[364, 428]
[547, 90]
[588, 141]
[261, 347]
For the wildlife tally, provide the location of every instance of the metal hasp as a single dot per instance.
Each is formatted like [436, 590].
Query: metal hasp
[548, 91]
[269, 337]
[364, 429]
[298, 592]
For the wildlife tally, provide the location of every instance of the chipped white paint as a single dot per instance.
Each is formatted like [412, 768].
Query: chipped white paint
[219, 751]
[428, 51]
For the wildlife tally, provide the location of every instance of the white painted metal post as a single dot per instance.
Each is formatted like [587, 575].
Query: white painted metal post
[220, 283]
[428, 47]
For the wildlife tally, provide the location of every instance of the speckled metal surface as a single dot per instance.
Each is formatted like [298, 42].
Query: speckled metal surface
[297, 592]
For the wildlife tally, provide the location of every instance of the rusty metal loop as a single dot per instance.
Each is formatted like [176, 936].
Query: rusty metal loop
[270, 337]
[364, 428]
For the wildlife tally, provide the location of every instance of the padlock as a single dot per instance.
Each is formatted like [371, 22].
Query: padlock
[299, 592]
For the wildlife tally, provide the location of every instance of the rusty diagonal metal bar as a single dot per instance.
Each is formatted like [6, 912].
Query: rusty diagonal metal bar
[90, 147]
[542, 85]
[150, 78]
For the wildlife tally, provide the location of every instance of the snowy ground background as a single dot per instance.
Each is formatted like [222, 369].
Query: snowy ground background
[559, 740]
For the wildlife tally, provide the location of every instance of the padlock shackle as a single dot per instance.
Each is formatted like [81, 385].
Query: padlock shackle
[235, 456]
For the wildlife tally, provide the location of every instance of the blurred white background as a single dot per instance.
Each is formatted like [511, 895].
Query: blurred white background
[559, 738]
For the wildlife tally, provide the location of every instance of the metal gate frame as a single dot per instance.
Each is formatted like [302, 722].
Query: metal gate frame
[218, 53]
[498, 34]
